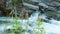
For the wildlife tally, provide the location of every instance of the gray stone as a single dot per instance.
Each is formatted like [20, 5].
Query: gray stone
[51, 8]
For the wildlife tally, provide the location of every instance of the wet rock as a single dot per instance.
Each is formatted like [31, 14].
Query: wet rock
[31, 6]
[33, 2]
[50, 8]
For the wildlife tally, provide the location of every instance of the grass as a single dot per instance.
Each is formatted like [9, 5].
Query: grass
[16, 27]
[39, 27]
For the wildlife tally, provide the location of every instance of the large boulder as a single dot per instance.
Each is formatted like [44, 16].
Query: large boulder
[51, 8]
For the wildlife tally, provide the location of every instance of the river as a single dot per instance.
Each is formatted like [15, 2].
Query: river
[52, 26]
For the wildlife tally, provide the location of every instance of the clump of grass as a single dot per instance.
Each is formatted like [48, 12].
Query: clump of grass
[39, 27]
[16, 28]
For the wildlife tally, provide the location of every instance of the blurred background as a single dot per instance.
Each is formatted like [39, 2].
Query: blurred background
[29, 16]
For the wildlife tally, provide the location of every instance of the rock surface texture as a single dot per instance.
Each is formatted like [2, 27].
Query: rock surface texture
[51, 8]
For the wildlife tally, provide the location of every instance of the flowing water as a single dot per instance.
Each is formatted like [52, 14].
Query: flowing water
[51, 27]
